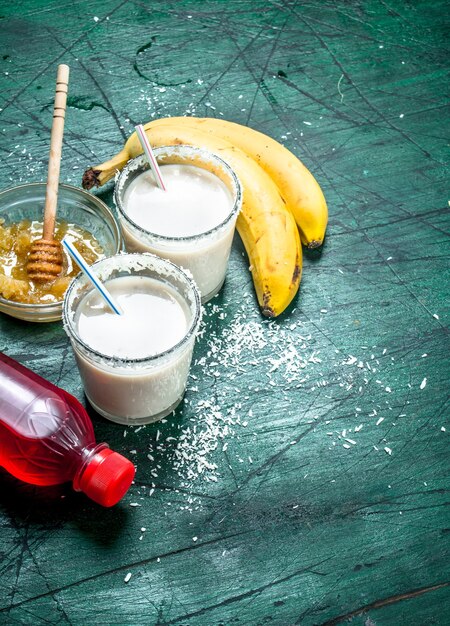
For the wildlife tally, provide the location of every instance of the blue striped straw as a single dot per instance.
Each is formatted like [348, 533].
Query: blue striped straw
[150, 156]
[92, 277]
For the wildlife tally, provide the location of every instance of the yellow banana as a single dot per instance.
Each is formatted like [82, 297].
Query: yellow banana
[298, 187]
[266, 227]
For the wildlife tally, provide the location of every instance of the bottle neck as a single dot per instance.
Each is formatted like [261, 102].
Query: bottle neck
[88, 453]
[105, 477]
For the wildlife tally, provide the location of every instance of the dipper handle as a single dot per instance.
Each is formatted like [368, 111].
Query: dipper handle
[54, 162]
[45, 260]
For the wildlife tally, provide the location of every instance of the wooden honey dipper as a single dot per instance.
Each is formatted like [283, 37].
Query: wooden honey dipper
[45, 260]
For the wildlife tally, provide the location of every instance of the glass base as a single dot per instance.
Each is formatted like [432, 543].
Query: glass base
[135, 421]
[213, 293]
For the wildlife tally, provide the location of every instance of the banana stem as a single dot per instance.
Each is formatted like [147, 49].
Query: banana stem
[98, 176]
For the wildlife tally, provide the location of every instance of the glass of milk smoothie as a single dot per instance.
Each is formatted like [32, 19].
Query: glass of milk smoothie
[134, 366]
[192, 222]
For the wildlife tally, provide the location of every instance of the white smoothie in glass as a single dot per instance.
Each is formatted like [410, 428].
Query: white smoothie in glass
[194, 201]
[192, 222]
[134, 366]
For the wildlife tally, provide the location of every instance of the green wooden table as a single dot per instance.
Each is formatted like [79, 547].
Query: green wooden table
[304, 480]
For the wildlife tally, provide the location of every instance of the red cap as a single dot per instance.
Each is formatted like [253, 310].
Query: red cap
[107, 478]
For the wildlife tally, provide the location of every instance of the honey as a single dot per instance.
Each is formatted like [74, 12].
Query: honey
[15, 244]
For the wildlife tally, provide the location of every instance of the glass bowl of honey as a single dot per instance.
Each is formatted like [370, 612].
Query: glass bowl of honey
[82, 218]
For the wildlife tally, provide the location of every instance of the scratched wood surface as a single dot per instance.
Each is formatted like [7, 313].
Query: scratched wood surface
[305, 478]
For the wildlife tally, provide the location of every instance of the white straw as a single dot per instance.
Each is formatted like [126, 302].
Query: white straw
[91, 275]
[150, 156]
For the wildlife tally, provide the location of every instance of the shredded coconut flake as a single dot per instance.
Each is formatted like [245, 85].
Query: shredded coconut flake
[197, 447]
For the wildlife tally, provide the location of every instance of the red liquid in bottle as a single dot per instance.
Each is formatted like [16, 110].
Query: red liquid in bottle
[47, 438]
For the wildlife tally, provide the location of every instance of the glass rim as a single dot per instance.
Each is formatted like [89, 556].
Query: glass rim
[141, 159]
[50, 306]
[71, 330]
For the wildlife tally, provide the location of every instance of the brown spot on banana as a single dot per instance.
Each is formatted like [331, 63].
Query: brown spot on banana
[297, 273]
[90, 178]
[315, 243]
[266, 309]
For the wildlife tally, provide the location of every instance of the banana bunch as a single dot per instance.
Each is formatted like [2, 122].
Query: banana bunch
[279, 194]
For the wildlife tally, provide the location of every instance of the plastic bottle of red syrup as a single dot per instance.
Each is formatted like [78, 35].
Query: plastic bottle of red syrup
[47, 438]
